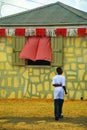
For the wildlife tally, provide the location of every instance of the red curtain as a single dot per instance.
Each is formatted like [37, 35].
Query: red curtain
[20, 31]
[37, 48]
[2, 32]
[44, 49]
[61, 32]
[81, 31]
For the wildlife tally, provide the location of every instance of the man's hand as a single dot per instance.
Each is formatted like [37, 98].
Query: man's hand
[66, 93]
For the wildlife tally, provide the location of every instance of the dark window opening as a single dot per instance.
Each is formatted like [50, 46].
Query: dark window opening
[37, 62]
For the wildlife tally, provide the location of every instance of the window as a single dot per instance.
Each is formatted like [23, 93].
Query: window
[57, 51]
[37, 50]
[56, 47]
[2, 40]
[18, 43]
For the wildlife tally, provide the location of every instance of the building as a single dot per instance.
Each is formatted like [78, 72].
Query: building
[28, 74]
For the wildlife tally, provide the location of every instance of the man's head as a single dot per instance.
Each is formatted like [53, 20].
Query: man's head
[59, 70]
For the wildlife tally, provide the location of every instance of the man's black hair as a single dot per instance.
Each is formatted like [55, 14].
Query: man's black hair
[59, 70]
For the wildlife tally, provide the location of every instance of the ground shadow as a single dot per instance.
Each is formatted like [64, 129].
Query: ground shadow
[81, 120]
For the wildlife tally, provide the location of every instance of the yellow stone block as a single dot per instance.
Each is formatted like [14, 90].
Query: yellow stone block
[81, 74]
[35, 97]
[3, 93]
[8, 66]
[46, 85]
[82, 85]
[85, 58]
[1, 66]
[78, 40]
[85, 78]
[46, 77]
[9, 39]
[78, 52]
[33, 89]
[2, 46]
[71, 77]
[47, 71]
[36, 72]
[9, 81]
[34, 79]
[3, 56]
[38, 94]
[73, 66]
[12, 72]
[2, 82]
[19, 94]
[75, 85]
[66, 67]
[16, 82]
[71, 59]
[12, 95]
[71, 93]
[71, 73]
[52, 88]
[68, 55]
[22, 80]
[78, 95]
[42, 95]
[30, 70]
[85, 51]
[85, 94]
[39, 88]
[70, 50]
[52, 75]
[49, 96]
[84, 44]
[69, 85]
[26, 95]
[25, 87]
[9, 50]
[22, 69]
[42, 77]
[25, 74]
[81, 66]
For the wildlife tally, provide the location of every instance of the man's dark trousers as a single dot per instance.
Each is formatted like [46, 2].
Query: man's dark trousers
[58, 104]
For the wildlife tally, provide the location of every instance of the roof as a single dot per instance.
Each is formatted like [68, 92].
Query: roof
[55, 14]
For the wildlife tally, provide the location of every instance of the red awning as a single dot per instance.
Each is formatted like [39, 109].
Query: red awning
[37, 48]
[20, 31]
[2, 32]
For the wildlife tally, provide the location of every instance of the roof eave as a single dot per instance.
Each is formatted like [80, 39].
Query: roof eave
[44, 25]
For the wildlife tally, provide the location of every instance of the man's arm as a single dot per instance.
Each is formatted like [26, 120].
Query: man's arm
[65, 89]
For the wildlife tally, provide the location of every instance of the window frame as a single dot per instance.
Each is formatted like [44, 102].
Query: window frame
[57, 51]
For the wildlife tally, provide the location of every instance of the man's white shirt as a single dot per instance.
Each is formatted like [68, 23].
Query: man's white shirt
[58, 91]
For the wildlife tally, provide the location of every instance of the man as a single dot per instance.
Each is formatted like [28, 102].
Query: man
[59, 88]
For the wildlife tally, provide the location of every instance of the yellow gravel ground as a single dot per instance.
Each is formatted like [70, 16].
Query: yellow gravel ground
[37, 114]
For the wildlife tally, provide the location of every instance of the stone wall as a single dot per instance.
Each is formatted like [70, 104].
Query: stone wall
[35, 81]
[75, 66]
